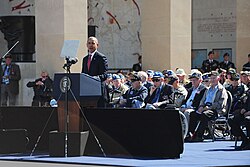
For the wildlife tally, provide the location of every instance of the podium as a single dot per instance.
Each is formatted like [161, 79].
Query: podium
[82, 89]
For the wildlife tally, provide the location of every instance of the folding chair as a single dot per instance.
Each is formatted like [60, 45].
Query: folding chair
[220, 124]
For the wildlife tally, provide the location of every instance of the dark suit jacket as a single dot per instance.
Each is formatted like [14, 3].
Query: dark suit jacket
[246, 67]
[15, 76]
[208, 67]
[198, 96]
[136, 67]
[132, 94]
[166, 95]
[225, 66]
[98, 66]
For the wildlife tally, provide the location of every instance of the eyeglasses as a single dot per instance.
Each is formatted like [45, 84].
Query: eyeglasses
[155, 80]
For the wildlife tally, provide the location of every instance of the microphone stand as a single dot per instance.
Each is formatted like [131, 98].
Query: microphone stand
[10, 49]
[66, 108]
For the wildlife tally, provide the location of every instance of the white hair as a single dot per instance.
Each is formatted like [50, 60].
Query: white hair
[143, 74]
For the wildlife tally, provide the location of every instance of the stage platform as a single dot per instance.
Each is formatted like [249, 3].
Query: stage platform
[207, 153]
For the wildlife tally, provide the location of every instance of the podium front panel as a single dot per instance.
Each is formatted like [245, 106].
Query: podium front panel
[81, 85]
[74, 86]
[89, 86]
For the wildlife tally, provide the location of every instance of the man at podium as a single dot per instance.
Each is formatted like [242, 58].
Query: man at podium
[95, 64]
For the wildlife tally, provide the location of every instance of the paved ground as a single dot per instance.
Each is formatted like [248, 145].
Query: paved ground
[218, 153]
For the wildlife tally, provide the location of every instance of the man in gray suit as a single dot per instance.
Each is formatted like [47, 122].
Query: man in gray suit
[213, 103]
[10, 76]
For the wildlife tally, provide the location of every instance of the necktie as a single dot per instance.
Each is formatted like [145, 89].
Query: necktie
[156, 98]
[89, 61]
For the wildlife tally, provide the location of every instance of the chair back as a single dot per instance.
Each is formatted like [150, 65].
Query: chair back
[229, 103]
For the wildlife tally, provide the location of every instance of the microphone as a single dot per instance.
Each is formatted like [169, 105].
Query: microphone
[70, 61]
[73, 60]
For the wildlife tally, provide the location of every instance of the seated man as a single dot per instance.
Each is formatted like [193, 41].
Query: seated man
[205, 80]
[242, 118]
[238, 92]
[245, 78]
[135, 96]
[160, 94]
[144, 79]
[213, 103]
[42, 87]
[195, 94]
[180, 92]
[118, 89]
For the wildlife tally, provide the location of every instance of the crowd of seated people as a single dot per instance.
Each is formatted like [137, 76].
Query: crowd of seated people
[201, 95]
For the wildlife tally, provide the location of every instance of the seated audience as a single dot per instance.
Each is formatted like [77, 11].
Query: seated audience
[160, 94]
[107, 87]
[223, 75]
[180, 93]
[237, 91]
[144, 79]
[242, 118]
[228, 80]
[245, 78]
[135, 96]
[205, 79]
[195, 94]
[117, 90]
[43, 88]
[213, 103]
[180, 73]
[167, 74]
[150, 75]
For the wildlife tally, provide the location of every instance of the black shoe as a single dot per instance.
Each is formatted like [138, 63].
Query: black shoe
[244, 145]
[247, 147]
[188, 138]
[197, 139]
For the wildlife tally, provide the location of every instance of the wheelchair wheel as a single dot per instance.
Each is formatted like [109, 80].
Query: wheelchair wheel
[184, 124]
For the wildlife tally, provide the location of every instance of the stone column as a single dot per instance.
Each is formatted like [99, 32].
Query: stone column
[242, 33]
[56, 21]
[166, 34]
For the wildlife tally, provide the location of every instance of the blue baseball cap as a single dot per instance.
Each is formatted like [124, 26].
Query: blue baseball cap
[158, 74]
[205, 76]
[109, 75]
[168, 72]
[150, 73]
[115, 76]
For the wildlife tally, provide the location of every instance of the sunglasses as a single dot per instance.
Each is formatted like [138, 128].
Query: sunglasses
[205, 81]
[133, 80]
[155, 80]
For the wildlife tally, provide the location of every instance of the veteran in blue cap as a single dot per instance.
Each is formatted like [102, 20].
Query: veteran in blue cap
[160, 94]
[118, 89]
[136, 95]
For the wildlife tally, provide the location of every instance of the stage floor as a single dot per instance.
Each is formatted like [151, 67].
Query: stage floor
[218, 153]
